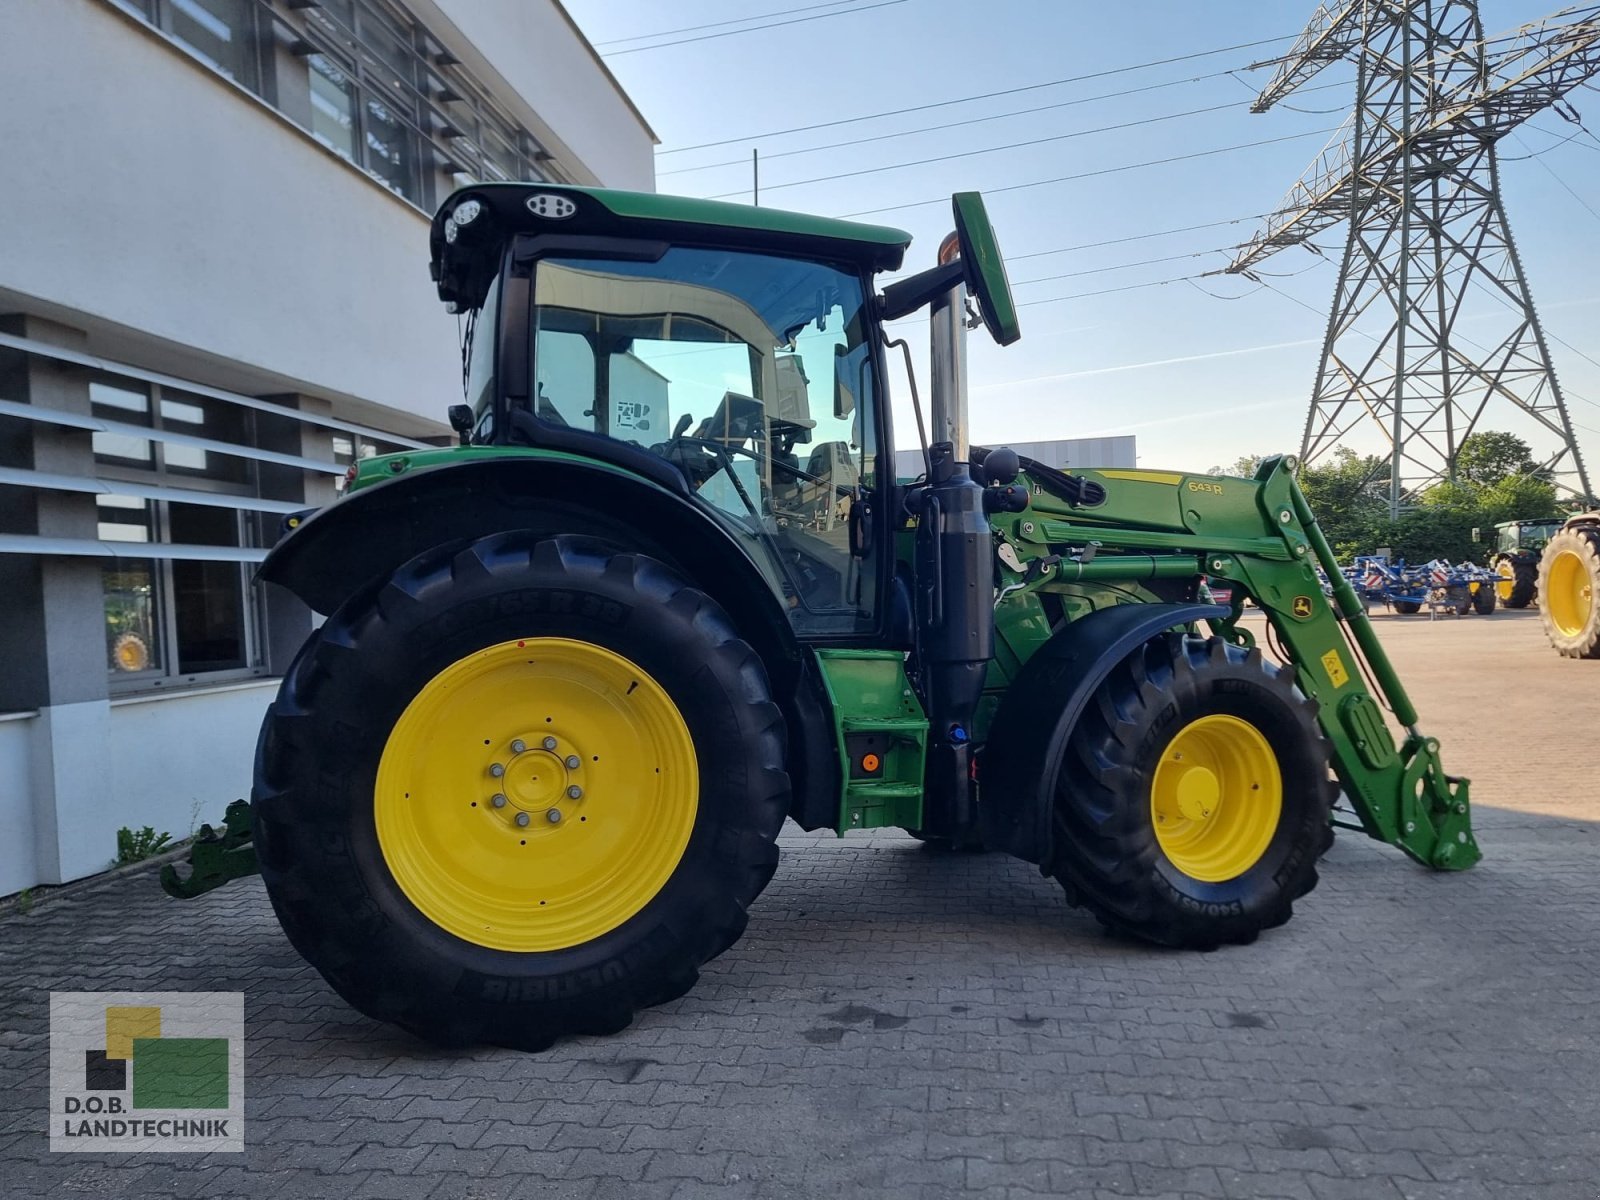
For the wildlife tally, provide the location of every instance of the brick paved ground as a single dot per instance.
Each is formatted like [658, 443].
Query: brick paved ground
[903, 1023]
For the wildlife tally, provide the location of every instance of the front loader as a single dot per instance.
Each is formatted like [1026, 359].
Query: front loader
[577, 671]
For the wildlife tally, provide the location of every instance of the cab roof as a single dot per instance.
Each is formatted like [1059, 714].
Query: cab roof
[532, 208]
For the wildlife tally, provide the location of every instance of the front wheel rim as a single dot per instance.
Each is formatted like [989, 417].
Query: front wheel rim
[1216, 798]
[536, 794]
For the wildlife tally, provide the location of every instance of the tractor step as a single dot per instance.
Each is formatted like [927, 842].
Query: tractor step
[881, 736]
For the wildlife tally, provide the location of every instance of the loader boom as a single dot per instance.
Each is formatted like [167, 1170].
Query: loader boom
[1153, 531]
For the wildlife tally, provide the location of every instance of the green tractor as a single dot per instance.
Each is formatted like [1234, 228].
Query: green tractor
[1569, 586]
[1517, 546]
[667, 593]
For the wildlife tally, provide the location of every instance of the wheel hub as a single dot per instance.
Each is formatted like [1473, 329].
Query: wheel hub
[1197, 793]
[535, 780]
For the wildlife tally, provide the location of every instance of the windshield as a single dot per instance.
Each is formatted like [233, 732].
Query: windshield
[1528, 535]
[750, 373]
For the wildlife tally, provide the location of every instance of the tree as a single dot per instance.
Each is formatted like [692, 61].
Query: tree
[1488, 457]
[1346, 494]
[1244, 466]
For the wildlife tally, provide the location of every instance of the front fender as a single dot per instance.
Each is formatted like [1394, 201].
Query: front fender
[1021, 762]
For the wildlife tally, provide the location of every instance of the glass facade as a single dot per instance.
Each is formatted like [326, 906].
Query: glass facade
[366, 80]
[169, 618]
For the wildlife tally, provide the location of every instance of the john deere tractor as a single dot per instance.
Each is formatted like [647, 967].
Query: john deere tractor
[668, 593]
[1569, 586]
[1517, 546]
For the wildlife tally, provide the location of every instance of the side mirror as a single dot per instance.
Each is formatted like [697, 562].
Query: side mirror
[979, 266]
[985, 269]
[461, 421]
[1477, 534]
[844, 396]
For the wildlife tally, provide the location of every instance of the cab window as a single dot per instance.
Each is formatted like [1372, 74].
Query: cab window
[751, 374]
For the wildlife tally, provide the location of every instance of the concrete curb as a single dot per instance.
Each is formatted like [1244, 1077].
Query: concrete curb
[47, 892]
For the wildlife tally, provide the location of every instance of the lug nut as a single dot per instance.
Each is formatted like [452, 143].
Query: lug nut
[553, 816]
[522, 818]
[549, 743]
[573, 762]
[518, 746]
[498, 800]
[496, 770]
[575, 792]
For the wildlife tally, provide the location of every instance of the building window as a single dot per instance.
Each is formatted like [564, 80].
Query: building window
[366, 80]
[168, 619]
[220, 33]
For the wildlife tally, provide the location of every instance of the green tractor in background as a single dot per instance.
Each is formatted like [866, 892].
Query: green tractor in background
[668, 593]
[1515, 558]
[1569, 586]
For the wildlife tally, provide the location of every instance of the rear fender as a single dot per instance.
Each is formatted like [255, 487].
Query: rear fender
[1021, 762]
[353, 546]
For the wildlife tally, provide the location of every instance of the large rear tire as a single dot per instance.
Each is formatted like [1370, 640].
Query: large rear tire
[520, 791]
[1569, 591]
[1194, 799]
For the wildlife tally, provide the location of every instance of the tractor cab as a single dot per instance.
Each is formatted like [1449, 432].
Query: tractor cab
[739, 347]
[1528, 536]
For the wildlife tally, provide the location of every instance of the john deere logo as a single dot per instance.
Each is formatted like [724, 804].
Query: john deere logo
[1301, 607]
[551, 206]
[152, 1071]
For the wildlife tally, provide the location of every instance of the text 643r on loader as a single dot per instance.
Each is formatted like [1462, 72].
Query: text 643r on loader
[667, 592]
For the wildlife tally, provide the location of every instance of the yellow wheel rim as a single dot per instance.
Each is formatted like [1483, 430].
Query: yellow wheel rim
[1571, 594]
[1216, 798]
[1508, 579]
[536, 794]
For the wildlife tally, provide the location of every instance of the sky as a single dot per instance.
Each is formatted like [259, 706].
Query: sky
[1201, 370]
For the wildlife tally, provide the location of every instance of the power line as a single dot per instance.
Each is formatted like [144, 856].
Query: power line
[782, 12]
[706, 37]
[922, 162]
[1136, 237]
[1592, 211]
[1128, 287]
[1154, 162]
[991, 149]
[1032, 87]
[884, 137]
[1127, 266]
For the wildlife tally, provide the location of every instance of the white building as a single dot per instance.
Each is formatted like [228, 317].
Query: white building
[214, 292]
[1065, 453]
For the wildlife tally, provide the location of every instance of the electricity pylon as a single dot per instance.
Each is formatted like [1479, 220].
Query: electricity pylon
[1413, 173]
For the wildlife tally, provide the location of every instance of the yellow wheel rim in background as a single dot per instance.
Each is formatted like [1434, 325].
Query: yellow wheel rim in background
[536, 794]
[1216, 798]
[1508, 579]
[1571, 594]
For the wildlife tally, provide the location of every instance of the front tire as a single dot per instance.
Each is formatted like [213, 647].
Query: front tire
[1194, 798]
[1569, 592]
[1483, 598]
[1519, 582]
[406, 783]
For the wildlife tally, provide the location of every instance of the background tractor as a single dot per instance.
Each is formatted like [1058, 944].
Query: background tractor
[1515, 558]
[1569, 587]
[577, 671]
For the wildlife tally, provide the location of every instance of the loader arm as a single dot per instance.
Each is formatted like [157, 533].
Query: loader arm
[1156, 533]
[1399, 794]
